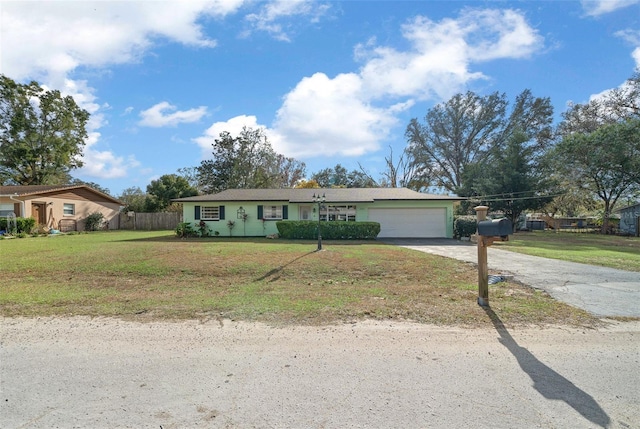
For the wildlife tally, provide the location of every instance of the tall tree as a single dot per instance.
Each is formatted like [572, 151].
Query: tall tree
[93, 185]
[134, 199]
[335, 177]
[190, 174]
[291, 171]
[360, 179]
[605, 162]
[166, 188]
[512, 179]
[613, 106]
[466, 129]
[307, 184]
[624, 102]
[454, 134]
[246, 161]
[403, 172]
[42, 134]
[340, 177]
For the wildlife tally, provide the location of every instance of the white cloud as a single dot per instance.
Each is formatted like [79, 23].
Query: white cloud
[353, 113]
[159, 115]
[438, 63]
[269, 18]
[324, 116]
[601, 7]
[633, 38]
[636, 56]
[49, 38]
[103, 164]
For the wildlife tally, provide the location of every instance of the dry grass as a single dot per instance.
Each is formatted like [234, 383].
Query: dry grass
[151, 275]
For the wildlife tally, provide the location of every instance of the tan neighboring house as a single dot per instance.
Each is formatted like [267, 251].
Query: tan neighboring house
[64, 208]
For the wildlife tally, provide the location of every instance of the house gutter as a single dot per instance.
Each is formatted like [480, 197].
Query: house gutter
[22, 206]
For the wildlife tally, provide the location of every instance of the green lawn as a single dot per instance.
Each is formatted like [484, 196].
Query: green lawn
[587, 248]
[153, 275]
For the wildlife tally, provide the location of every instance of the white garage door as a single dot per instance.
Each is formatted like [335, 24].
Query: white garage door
[405, 223]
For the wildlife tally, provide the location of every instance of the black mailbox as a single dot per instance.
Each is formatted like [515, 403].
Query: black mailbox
[495, 228]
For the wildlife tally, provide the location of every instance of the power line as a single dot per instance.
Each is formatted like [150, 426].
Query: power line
[509, 193]
[480, 198]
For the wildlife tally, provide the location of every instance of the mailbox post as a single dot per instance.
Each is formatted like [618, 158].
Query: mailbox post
[488, 232]
[483, 269]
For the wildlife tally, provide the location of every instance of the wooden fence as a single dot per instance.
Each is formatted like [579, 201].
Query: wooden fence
[150, 221]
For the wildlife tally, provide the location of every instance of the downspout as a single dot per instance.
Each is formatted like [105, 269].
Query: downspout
[22, 207]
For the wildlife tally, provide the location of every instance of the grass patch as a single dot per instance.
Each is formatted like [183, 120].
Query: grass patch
[588, 248]
[153, 275]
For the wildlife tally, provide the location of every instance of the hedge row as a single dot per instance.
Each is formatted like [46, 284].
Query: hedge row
[331, 230]
[25, 225]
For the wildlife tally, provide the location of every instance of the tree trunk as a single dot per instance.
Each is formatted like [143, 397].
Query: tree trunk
[605, 220]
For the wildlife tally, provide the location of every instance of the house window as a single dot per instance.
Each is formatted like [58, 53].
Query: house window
[6, 209]
[338, 213]
[272, 212]
[210, 213]
[69, 209]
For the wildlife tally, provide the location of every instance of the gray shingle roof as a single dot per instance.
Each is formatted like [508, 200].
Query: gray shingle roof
[332, 195]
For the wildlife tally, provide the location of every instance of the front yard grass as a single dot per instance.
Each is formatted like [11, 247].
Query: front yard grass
[153, 275]
[588, 248]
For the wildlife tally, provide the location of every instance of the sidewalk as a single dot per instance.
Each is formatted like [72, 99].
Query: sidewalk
[603, 292]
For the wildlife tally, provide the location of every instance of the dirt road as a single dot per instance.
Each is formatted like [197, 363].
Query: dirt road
[106, 373]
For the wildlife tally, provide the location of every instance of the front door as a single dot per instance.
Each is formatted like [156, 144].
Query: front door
[39, 213]
[305, 212]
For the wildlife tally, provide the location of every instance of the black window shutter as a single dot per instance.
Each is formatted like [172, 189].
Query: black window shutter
[196, 215]
[221, 212]
[260, 212]
[285, 212]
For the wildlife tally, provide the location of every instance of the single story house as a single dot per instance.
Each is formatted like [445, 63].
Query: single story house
[630, 220]
[401, 212]
[63, 207]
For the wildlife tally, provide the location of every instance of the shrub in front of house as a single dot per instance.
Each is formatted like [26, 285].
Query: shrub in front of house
[23, 224]
[332, 230]
[464, 226]
[94, 221]
[185, 229]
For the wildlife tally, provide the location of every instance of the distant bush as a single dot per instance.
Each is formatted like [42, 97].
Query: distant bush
[26, 225]
[464, 226]
[331, 230]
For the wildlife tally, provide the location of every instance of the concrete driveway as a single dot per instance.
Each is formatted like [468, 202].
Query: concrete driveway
[603, 292]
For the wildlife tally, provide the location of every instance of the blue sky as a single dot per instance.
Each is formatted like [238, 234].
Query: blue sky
[330, 82]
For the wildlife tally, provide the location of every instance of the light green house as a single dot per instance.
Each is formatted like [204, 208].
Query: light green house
[401, 212]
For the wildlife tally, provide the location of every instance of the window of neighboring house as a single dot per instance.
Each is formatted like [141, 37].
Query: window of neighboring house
[272, 212]
[340, 213]
[210, 213]
[6, 209]
[69, 209]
